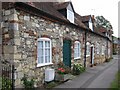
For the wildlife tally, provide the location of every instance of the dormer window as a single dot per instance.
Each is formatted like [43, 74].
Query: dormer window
[67, 10]
[70, 13]
[70, 16]
[90, 24]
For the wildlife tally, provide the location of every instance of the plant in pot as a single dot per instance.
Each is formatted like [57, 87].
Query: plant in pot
[60, 74]
[77, 69]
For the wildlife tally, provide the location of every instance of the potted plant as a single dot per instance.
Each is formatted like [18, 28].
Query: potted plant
[77, 69]
[60, 74]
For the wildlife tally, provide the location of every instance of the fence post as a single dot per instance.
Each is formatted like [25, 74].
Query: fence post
[13, 77]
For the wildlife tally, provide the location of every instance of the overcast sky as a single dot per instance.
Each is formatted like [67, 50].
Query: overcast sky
[106, 8]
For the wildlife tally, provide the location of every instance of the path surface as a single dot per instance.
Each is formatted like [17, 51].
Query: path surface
[99, 76]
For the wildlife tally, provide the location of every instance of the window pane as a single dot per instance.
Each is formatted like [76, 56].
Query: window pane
[46, 43]
[40, 52]
[48, 58]
[43, 51]
[46, 52]
[40, 44]
[46, 61]
[40, 59]
[77, 49]
[49, 55]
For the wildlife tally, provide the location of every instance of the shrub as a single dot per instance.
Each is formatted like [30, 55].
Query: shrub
[6, 83]
[51, 85]
[28, 84]
[77, 69]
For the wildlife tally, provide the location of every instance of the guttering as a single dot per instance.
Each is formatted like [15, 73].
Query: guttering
[85, 49]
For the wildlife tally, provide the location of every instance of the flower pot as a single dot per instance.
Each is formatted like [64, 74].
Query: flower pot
[59, 77]
[62, 77]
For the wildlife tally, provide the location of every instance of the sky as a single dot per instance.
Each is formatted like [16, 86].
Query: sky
[106, 8]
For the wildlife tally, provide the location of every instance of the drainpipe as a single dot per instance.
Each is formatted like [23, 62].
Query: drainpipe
[1, 39]
[85, 49]
[107, 49]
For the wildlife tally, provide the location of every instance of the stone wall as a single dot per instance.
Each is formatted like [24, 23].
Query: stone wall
[93, 39]
[21, 33]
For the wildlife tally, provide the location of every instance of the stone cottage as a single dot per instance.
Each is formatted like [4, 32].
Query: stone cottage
[41, 35]
[98, 42]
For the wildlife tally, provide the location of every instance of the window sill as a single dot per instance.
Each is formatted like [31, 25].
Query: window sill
[87, 55]
[45, 64]
[77, 58]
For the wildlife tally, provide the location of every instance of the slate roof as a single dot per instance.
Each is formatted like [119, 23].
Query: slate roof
[47, 7]
[63, 5]
[86, 18]
[50, 8]
[78, 21]
[99, 31]
[102, 29]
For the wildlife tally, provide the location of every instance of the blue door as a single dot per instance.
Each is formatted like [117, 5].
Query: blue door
[67, 52]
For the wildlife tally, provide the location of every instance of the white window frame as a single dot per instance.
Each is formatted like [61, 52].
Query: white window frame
[98, 49]
[77, 50]
[90, 24]
[109, 51]
[70, 16]
[103, 50]
[87, 49]
[44, 63]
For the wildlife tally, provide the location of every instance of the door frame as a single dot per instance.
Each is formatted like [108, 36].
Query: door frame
[92, 54]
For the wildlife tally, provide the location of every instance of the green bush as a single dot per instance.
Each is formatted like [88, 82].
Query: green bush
[6, 83]
[28, 84]
[51, 85]
[77, 69]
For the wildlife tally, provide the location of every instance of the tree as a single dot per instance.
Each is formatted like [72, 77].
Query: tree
[101, 21]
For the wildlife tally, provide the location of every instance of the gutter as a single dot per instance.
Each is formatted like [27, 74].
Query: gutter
[85, 49]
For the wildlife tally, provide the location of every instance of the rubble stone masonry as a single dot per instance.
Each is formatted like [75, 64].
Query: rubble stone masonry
[21, 31]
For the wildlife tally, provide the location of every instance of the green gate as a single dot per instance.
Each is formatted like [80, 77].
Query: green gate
[67, 52]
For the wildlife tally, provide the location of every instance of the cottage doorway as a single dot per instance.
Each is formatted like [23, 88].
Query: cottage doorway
[67, 52]
[92, 55]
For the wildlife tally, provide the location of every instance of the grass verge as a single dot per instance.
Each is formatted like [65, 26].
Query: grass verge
[115, 85]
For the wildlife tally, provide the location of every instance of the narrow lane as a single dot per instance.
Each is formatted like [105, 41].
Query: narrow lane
[99, 76]
[103, 79]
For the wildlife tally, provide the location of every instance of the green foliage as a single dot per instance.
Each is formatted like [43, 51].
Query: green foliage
[115, 85]
[77, 69]
[6, 83]
[28, 84]
[101, 21]
[51, 85]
